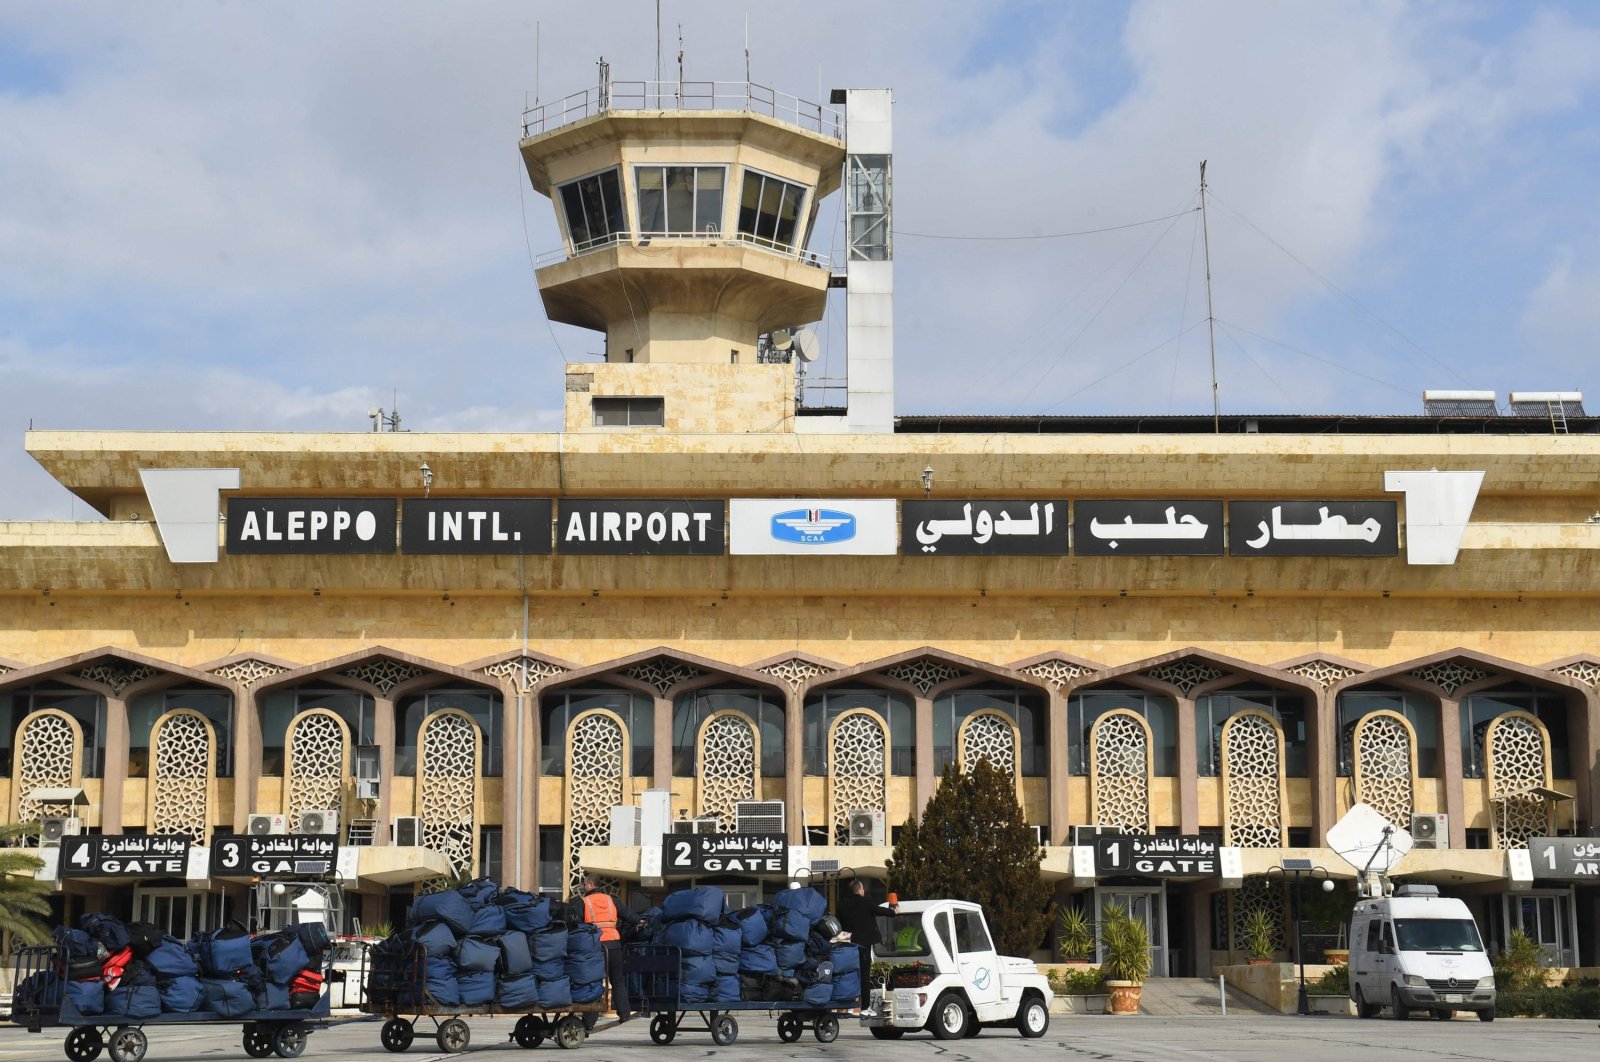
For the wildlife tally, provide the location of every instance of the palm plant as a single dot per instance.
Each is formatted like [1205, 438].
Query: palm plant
[24, 902]
[1127, 946]
[1076, 939]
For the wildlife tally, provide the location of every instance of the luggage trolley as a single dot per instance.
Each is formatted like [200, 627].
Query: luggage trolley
[40, 1002]
[655, 980]
[405, 1000]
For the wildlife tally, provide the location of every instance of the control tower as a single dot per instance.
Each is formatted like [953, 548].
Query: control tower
[685, 209]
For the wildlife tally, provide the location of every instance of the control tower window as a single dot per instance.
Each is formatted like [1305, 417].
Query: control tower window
[680, 200]
[593, 208]
[769, 210]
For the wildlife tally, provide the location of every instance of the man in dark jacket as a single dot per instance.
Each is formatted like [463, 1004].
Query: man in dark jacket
[859, 916]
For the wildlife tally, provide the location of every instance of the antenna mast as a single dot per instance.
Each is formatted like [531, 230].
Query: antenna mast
[658, 53]
[747, 46]
[1211, 319]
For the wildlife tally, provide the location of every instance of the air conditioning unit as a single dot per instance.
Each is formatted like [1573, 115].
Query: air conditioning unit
[263, 824]
[1085, 835]
[51, 830]
[366, 789]
[758, 816]
[321, 821]
[1430, 831]
[407, 831]
[624, 824]
[704, 824]
[868, 826]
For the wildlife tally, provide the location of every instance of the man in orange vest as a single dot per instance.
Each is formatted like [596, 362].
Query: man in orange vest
[601, 909]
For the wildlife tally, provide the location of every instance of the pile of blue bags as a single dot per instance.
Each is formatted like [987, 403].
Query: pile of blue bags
[481, 945]
[784, 951]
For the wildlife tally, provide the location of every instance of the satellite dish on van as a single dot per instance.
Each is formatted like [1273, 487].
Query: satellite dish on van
[805, 344]
[1367, 841]
[782, 339]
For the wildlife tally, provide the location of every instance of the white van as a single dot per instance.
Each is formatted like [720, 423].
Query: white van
[1416, 950]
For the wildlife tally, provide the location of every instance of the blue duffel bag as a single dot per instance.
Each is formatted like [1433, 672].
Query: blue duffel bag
[479, 891]
[516, 958]
[549, 943]
[759, 959]
[725, 989]
[435, 935]
[725, 949]
[517, 993]
[489, 921]
[587, 993]
[691, 993]
[817, 995]
[475, 956]
[285, 956]
[226, 951]
[180, 995]
[439, 977]
[272, 996]
[846, 958]
[699, 969]
[509, 895]
[133, 1001]
[704, 903]
[752, 925]
[107, 929]
[529, 917]
[550, 969]
[791, 954]
[88, 996]
[846, 988]
[476, 987]
[555, 993]
[585, 969]
[789, 925]
[230, 999]
[809, 902]
[451, 908]
[171, 959]
[583, 941]
[690, 937]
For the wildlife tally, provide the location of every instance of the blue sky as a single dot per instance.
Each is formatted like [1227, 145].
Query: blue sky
[275, 216]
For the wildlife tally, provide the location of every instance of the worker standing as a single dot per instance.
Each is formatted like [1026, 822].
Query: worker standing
[859, 916]
[601, 909]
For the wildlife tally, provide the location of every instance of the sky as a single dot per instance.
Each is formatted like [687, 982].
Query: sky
[275, 216]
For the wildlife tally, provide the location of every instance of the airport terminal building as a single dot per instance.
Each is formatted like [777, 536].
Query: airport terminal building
[381, 657]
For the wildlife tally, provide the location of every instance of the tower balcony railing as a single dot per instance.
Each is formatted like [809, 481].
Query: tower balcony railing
[665, 96]
[709, 238]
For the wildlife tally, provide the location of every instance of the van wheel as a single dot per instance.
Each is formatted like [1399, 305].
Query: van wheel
[1486, 1014]
[1363, 1008]
[1401, 1011]
[1034, 1018]
[949, 1019]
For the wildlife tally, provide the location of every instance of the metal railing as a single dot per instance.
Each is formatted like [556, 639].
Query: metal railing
[660, 96]
[646, 240]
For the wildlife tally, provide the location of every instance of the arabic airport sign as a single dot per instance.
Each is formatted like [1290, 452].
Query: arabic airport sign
[1313, 529]
[101, 855]
[1565, 858]
[1148, 528]
[311, 525]
[476, 525]
[983, 528]
[725, 853]
[273, 855]
[1155, 856]
[684, 528]
[810, 526]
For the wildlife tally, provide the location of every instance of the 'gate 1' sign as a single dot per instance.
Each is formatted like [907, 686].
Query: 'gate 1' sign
[1565, 858]
[116, 856]
[1176, 856]
[276, 855]
[725, 853]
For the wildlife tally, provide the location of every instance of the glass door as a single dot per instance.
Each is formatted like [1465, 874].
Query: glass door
[1547, 917]
[180, 912]
[1149, 905]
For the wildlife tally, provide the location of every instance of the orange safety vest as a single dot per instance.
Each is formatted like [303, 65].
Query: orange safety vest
[601, 910]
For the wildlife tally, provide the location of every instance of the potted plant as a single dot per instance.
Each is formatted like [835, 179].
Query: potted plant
[1259, 932]
[1075, 934]
[1126, 964]
[1330, 993]
[1079, 991]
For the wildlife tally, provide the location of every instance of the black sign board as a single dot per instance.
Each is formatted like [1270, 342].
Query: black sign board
[725, 853]
[1565, 858]
[476, 525]
[1313, 529]
[274, 855]
[1148, 528]
[1175, 856]
[640, 528]
[125, 856]
[311, 525]
[983, 528]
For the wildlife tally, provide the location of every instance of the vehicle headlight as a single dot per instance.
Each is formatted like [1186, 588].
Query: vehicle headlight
[1486, 982]
[1413, 981]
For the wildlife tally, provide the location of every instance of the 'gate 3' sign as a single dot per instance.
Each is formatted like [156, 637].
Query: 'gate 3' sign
[274, 855]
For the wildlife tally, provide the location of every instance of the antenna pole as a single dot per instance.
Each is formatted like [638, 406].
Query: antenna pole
[1211, 319]
[658, 53]
[536, 32]
[747, 48]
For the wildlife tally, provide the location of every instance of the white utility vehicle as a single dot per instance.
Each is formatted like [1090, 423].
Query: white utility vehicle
[947, 978]
[1417, 950]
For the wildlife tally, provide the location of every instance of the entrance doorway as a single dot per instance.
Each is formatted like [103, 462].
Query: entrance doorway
[1548, 918]
[181, 912]
[1148, 904]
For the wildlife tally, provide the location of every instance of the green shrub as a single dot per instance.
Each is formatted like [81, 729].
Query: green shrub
[1568, 1001]
[1085, 982]
[1075, 937]
[1126, 941]
[1336, 982]
[1518, 965]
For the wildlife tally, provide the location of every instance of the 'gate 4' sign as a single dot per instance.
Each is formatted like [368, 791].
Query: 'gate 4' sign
[275, 855]
[1177, 856]
[725, 853]
[116, 856]
[1565, 858]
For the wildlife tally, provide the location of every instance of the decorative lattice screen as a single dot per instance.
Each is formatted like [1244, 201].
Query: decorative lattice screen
[181, 775]
[990, 735]
[447, 786]
[858, 768]
[315, 763]
[1258, 894]
[1252, 781]
[1119, 771]
[597, 779]
[729, 755]
[49, 750]
[1384, 751]
[1517, 761]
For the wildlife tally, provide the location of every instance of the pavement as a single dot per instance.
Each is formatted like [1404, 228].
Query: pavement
[1195, 997]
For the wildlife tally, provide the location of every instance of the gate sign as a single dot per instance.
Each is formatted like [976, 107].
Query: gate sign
[274, 855]
[725, 853]
[118, 856]
[1565, 858]
[1176, 856]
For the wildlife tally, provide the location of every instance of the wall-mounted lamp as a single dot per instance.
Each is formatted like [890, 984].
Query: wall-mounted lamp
[927, 481]
[427, 479]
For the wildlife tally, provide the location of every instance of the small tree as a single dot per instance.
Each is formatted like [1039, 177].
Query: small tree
[974, 844]
[24, 902]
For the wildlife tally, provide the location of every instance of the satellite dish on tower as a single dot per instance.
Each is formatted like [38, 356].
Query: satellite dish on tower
[805, 344]
[782, 339]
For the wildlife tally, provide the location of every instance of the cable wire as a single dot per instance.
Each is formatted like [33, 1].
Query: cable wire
[1048, 235]
[1315, 357]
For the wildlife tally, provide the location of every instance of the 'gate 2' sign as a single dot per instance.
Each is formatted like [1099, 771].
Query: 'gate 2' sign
[273, 855]
[1177, 856]
[1565, 858]
[725, 853]
[116, 856]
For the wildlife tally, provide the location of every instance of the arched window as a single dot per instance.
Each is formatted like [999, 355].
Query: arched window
[1025, 707]
[182, 774]
[825, 706]
[764, 708]
[1212, 710]
[1119, 770]
[143, 711]
[480, 705]
[1479, 709]
[1251, 751]
[557, 710]
[1420, 711]
[88, 709]
[278, 708]
[1158, 710]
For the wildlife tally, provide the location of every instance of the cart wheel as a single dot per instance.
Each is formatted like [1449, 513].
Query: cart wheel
[569, 1032]
[826, 1029]
[788, 1028]
[397, 1034]
[127, 1044]
[453, 1036]
[663, 1028]
[530, 1031]
[84, 1044]
[290, 1040]
[725, 1030]
[257, 1044]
